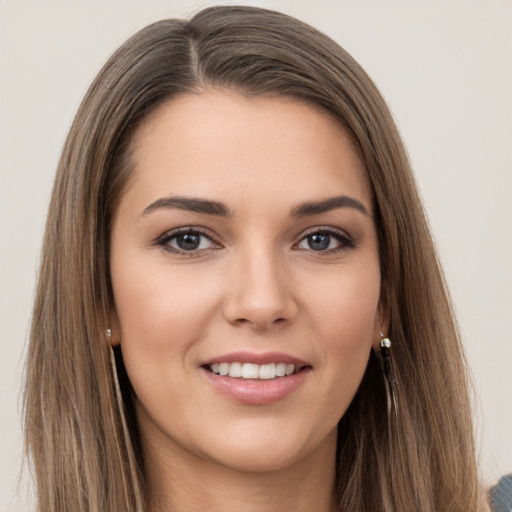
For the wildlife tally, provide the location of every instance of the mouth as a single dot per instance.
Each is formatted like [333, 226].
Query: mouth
[239, 370]
[256, 379]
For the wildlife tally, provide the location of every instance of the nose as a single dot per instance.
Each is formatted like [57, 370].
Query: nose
[260, 292]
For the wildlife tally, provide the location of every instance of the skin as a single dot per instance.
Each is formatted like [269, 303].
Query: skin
[254, 283]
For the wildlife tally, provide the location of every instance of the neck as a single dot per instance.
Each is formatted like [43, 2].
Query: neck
[181, 481]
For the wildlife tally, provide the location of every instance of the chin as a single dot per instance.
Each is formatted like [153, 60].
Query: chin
[263, 459]
[266, 449]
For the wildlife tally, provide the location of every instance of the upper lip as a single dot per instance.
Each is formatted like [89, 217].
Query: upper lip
[255, 358]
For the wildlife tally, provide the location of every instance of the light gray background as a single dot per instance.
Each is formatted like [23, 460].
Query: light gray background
[444, 67]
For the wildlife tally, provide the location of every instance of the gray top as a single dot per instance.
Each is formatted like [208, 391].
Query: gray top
[500, 496]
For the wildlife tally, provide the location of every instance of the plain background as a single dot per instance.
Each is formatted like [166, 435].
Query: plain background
[444, 67]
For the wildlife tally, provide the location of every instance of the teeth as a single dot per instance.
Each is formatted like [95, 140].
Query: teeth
[235, 370]
[250, 371]
[281, 369]
[267, 371]
[253, 371]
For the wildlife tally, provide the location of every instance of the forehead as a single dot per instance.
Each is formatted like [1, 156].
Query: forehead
[220, 143]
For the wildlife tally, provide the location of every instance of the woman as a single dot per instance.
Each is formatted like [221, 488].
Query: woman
[235, 218]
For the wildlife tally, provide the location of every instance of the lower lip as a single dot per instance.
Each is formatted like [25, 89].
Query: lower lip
[256, 391]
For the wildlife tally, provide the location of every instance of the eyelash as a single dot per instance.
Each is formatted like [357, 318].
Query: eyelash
[344, 240]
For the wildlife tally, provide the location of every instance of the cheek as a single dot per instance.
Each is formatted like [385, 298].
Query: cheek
[346, 306]
[346, 323]
[161, 310]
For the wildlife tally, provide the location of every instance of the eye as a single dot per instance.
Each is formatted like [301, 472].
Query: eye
[325, 240]
[186, 240]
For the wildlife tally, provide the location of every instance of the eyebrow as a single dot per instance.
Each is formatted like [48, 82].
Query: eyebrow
[208, 207]
[190, 204]
[317, 207]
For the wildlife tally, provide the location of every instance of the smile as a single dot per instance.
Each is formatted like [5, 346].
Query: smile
[256, 379]
[253, 371]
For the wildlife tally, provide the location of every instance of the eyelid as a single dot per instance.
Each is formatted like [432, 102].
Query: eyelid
[321, 227]
[325, 229]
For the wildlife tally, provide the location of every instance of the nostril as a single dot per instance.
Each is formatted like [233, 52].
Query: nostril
[260, 323]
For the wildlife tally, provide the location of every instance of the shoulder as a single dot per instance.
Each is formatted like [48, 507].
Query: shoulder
[500, 496]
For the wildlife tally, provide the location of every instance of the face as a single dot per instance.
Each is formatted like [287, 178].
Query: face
[246, 279]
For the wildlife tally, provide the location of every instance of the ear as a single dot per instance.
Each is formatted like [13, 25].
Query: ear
[115, 331]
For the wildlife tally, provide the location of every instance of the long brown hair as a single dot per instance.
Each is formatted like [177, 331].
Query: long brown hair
[83, 458]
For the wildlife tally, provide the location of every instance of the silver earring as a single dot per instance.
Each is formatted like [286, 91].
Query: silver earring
[390, 381]
[108, 335]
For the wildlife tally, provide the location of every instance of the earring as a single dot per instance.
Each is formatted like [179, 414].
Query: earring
[119, 396]
[116, 378]
[389, 375]
[122, 416]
